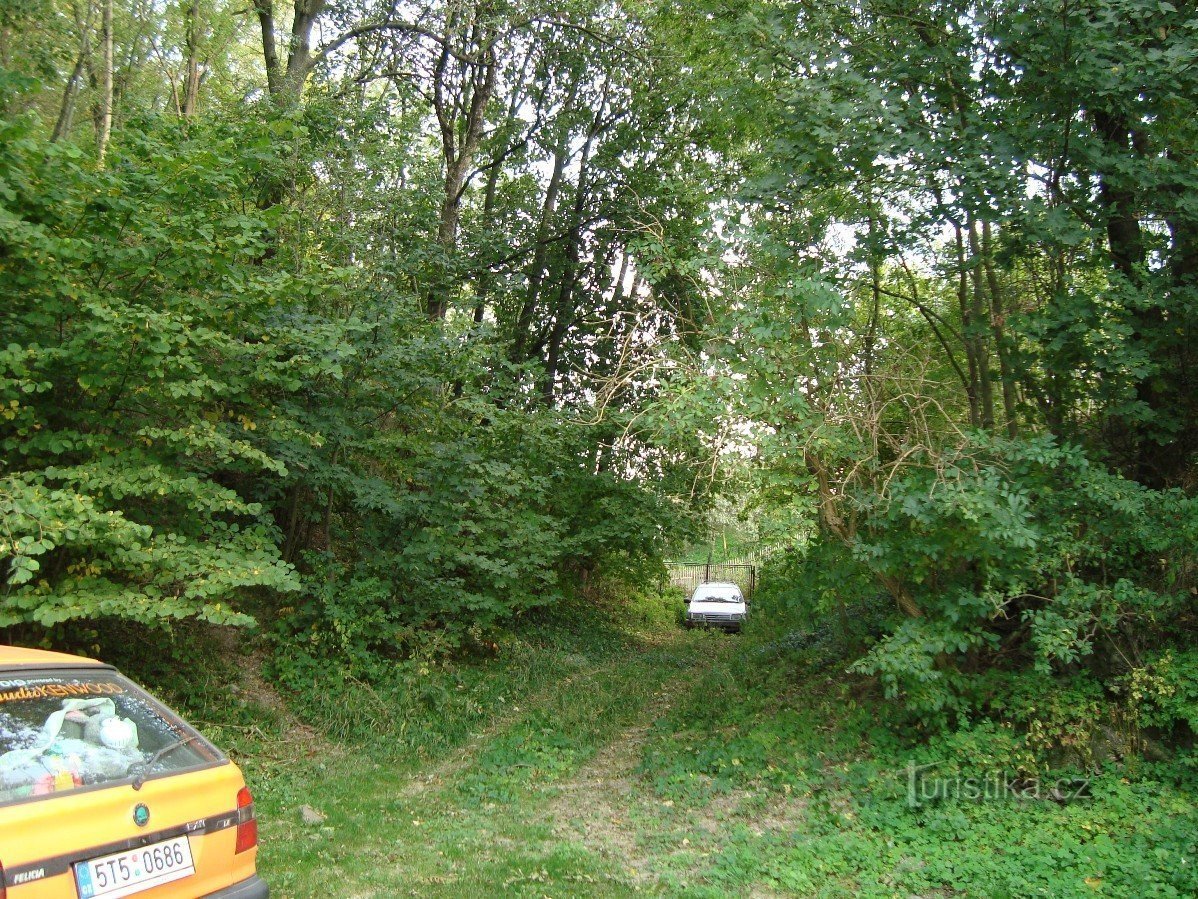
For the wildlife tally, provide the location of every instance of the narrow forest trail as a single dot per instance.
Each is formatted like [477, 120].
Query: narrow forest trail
[648, 760]
[543, 801]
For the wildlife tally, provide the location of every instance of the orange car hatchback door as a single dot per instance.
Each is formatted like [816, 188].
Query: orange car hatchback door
[105, 793]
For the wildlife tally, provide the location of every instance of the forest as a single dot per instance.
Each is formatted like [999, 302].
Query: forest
[396, 345]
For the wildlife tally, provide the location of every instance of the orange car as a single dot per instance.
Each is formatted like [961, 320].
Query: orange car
[105, 792]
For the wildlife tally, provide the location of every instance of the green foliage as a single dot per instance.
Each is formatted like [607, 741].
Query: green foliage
[203, 392]
[138, 362]
[1035, 574]
[485, 524]
[815, 787]
[943, 236]
[1163, 693]
[1018, 545]
[365, 371]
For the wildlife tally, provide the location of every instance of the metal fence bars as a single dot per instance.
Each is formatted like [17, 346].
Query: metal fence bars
[689, 575]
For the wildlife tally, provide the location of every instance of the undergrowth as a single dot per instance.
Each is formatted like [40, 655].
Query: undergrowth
[769, 769]
[887, 810]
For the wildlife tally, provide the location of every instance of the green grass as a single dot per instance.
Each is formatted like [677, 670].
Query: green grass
[589, 759]
[812, 800]
[476, 809]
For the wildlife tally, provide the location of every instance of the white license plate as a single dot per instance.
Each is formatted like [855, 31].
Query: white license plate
[125, 873]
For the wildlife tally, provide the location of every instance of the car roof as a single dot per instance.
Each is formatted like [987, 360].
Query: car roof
[20, 657]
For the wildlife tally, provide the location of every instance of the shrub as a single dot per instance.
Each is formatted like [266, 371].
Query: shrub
[1034, 572]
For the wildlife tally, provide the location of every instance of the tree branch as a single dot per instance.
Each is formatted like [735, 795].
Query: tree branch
[388, 25]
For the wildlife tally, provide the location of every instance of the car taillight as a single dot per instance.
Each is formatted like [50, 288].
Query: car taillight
[247, 824]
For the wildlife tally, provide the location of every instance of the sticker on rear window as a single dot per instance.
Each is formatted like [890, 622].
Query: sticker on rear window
[61, 691]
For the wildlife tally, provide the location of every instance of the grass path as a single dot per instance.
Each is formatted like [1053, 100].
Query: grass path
[670, 763]
[542, 801]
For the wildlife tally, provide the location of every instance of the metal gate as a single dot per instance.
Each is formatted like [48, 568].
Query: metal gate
[689, 575]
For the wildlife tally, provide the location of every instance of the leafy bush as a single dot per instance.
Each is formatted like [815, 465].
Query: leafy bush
[195, 424]
[1021, 546]
[141, 358]
[1026, 562]
[807, 780]
[1163, 693]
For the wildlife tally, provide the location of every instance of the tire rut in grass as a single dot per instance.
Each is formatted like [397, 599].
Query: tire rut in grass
[596, 806]
[461, 758]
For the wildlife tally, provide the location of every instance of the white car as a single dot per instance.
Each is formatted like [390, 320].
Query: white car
[717, 605]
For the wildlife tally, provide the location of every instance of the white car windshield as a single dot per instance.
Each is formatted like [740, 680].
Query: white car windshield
[722, 596]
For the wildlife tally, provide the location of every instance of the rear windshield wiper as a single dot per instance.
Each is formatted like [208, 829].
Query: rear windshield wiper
[143, 768]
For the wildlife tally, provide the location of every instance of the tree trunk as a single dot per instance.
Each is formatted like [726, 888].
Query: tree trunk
[105, 117]
[998, 325]
[875, 286]
[191, 68]
[460, 119]
[291, 542]
[565, 312]
[536, 270]
[565, 303]
[979, 316]
[66, 112]
[482, 281]
[270, 50]
[448, 220]
[1156, 453]
[286, 84]
[972, 391]
[1124, 235]
[299, 56]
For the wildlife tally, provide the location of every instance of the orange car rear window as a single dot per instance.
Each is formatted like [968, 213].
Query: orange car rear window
[68, 729]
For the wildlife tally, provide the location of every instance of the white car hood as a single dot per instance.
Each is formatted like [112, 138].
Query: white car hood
[717, 608]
